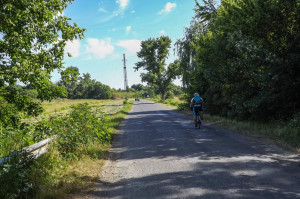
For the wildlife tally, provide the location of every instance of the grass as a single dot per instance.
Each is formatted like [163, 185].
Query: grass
[115, 119]
[60, 105]
[63, 106]
[280, 133]
[277, 132]
[77, 178]
[56, 107]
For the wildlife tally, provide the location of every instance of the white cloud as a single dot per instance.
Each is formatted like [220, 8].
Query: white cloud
[122, 3]
[168, 8]
[102, 10]
[162, 32]
[99, 48]
[73, 47]
[132, 46]
[119, 11]
[128, 28]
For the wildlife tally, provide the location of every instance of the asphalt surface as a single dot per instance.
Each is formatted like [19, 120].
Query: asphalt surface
[158, 153]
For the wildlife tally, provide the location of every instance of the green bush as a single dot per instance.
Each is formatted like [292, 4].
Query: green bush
[14, 139]
[125, 101]
[294, 122]
[15, 177]
[83, 126]
[183, 106]
[21, 176]
[30, 92]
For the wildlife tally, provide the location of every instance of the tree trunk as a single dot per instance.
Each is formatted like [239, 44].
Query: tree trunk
[163, 96]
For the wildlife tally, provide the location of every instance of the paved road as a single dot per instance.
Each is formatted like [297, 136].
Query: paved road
[159, 154]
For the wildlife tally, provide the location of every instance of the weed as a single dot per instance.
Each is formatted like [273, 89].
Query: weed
[15, 177]
[83, 137]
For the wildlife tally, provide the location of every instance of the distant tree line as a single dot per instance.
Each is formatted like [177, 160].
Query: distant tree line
[243, 57]
[83, 87]
[143, 91]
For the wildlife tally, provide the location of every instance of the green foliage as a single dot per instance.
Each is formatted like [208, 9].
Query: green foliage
[33, 38]
[115, 120]
[15, 177]
[153, 54]
[125, 101]
[183, 106]
[294, 123]
[45, 172]
[282, 133]
[83, 126]
[23, 177]
[30, 92]
[124, 95]
[138, 87]
[84, 87]
[242, 58]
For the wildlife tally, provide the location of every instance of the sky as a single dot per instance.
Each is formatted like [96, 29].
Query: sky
[114, 27]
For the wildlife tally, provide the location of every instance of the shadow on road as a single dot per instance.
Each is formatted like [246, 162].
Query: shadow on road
[206, 163]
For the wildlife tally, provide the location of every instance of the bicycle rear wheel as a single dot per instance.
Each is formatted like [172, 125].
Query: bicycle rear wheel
[198, 121]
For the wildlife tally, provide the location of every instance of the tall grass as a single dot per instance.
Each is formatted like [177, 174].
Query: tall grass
[280, 132]
[115, 119]
[66, 178]
[59, 105]
[54, 175]
[78, 177]
[123, 95]
[174, 103]
[12, 140]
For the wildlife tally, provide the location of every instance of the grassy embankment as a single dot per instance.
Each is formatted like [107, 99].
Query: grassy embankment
[74, 179]
[284, 134]
[61, 105]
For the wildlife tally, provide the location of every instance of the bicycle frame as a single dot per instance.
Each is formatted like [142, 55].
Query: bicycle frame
[198, 119]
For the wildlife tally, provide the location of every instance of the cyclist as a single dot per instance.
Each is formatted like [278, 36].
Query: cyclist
[197, 104]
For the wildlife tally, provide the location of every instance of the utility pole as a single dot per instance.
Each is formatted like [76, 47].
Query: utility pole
[125, 74]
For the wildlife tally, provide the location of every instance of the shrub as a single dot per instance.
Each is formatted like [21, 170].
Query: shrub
[294, 122]
[24, 177]
[183, 106]
[80, 128]
[15, 177]
[30, 92]
[125, 101]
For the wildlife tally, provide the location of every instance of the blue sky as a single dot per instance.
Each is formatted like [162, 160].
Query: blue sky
[114, 27]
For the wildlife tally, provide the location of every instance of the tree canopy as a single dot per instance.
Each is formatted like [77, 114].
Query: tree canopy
[33, 34]
[153, 55]
[245, 61]
[83, 87]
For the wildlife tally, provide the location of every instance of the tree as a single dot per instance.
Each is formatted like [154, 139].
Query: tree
[33, 34]
[69, 78]
[153, 54]
[138, 87]
[83, 87]
[245, 61]
[207, 12]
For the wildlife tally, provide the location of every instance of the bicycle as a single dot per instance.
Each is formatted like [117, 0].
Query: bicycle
[198, 119]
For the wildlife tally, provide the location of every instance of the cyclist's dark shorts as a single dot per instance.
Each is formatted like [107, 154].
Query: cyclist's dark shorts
[197, 109]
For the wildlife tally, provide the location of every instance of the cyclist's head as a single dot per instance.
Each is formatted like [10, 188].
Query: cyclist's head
[196, 94]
